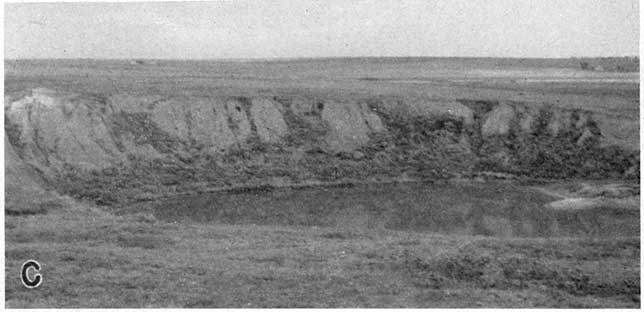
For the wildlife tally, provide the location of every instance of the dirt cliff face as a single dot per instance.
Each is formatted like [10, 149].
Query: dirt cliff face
[126, 147]
[25, 191]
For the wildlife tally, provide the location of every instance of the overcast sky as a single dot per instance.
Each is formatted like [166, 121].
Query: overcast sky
[293, 28]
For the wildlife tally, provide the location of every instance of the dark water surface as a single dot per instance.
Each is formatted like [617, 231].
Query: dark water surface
[490, 208]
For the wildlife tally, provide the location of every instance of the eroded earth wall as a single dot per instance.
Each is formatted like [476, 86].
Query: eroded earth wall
[120, 148]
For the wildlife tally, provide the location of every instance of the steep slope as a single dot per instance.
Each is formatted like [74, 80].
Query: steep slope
[129, 147]
[24, 188]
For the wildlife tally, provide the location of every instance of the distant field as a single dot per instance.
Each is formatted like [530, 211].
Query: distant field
[355, 75]
[557, 81]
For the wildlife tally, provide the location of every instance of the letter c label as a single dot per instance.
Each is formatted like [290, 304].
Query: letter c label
[24, 276]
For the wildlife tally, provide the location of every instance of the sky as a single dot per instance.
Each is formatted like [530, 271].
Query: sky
[330, 28]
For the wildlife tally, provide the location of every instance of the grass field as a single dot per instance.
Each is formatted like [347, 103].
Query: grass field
[91, 258]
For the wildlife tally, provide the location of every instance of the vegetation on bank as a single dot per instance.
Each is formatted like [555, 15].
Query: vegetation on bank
[417, 147]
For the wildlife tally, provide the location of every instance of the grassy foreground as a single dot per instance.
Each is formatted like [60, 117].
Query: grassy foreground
[92, 258]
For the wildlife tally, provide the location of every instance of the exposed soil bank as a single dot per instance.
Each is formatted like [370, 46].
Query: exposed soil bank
[117, 148]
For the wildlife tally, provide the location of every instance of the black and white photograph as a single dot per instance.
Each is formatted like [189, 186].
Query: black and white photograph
[357, 154]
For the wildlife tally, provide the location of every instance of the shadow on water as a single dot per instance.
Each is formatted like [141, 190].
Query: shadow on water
[491, 208]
